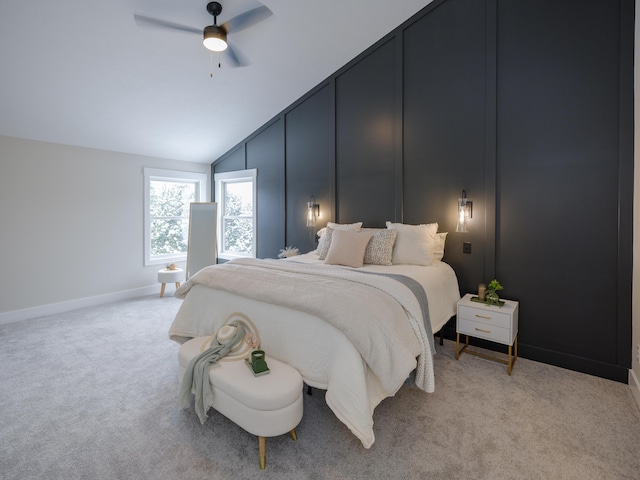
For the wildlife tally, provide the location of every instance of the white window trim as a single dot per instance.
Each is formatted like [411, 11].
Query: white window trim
[167, 175]
[236, 176]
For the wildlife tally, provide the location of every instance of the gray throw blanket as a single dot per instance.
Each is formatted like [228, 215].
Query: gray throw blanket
[421, 297]
[196, 378]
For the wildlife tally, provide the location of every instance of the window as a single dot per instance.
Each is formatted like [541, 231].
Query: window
[236, 198]
[168, 195]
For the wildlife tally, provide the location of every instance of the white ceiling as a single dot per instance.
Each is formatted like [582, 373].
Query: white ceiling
[83, 73]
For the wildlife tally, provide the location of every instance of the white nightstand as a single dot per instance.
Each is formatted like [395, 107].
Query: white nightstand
[494, 323]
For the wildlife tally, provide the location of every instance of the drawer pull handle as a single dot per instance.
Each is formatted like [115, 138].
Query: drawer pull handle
[483, 331]
[483, 316]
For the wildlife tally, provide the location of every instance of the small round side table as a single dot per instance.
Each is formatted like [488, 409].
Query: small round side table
[169, 276]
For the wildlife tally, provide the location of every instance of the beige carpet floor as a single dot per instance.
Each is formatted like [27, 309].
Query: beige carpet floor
[92, 394]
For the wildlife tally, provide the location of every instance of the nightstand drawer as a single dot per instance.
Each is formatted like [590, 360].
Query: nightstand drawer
[483, 330]
[487, 316]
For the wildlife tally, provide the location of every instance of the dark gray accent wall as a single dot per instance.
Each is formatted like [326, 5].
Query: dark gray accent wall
[265, 152]
[233, 161]
[365, 143]
[528, 106]
[559, 161]
[310, 165]
[444, 128]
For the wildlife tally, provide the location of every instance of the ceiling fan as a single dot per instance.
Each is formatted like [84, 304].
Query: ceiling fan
[214, 37]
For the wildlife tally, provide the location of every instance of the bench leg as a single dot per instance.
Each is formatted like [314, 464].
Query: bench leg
[262, 443]
[162, 290]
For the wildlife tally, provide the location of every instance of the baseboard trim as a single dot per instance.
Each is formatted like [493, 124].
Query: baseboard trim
[53, 308]
[616, 373]
[634, 385]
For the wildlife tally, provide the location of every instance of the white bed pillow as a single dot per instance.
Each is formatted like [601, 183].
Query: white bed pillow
[431, 227]
[345, 226]
[414, 243]
[325, 238]
[438, 246]
[347, 248]
[380, 248]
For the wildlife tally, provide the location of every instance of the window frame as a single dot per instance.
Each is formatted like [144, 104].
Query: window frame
[233, 177]
[180, 176]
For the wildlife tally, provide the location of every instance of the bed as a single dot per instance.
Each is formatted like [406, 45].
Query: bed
[358, 332]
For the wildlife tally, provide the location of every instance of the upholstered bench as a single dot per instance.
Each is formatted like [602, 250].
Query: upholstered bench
[266, 406]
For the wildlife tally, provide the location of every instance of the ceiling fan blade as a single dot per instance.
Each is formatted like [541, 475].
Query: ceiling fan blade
[235, 57]
[141, 20]
[247, 19]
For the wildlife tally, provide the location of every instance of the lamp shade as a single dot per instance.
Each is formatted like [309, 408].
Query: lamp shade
[461, 226]
[313, 211]
[464, 212]
[214, 38]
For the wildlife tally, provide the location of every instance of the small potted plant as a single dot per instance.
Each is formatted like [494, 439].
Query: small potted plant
[491, 297]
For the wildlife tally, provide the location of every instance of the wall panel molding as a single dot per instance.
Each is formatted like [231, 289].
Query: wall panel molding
[525, 105]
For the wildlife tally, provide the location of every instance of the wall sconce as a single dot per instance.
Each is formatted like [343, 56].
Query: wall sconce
[313, 211]
[465, 210]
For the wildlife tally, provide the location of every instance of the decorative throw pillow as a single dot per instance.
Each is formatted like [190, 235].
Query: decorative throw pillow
[380, 248]
[325, 239]
[319, 234]
[325, 243]
[347, 248]
[414, 243]
[438, 246]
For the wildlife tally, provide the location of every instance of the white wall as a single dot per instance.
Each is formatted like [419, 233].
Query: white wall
[71, 226]
[634, 374]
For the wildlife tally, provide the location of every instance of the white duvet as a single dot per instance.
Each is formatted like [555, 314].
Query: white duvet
[323, 325]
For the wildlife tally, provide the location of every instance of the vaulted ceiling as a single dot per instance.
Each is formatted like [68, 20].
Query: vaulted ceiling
[85, 74]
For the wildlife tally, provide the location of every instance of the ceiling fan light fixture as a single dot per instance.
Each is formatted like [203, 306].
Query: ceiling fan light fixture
[214, 38]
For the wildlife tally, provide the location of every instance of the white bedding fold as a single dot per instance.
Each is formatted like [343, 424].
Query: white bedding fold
[344, 298]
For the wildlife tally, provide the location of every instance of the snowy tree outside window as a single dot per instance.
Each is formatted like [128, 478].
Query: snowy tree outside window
[168, 195]
[169, 211]
[236, 197]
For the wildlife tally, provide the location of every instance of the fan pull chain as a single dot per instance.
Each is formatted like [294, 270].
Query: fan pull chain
[211, 65]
